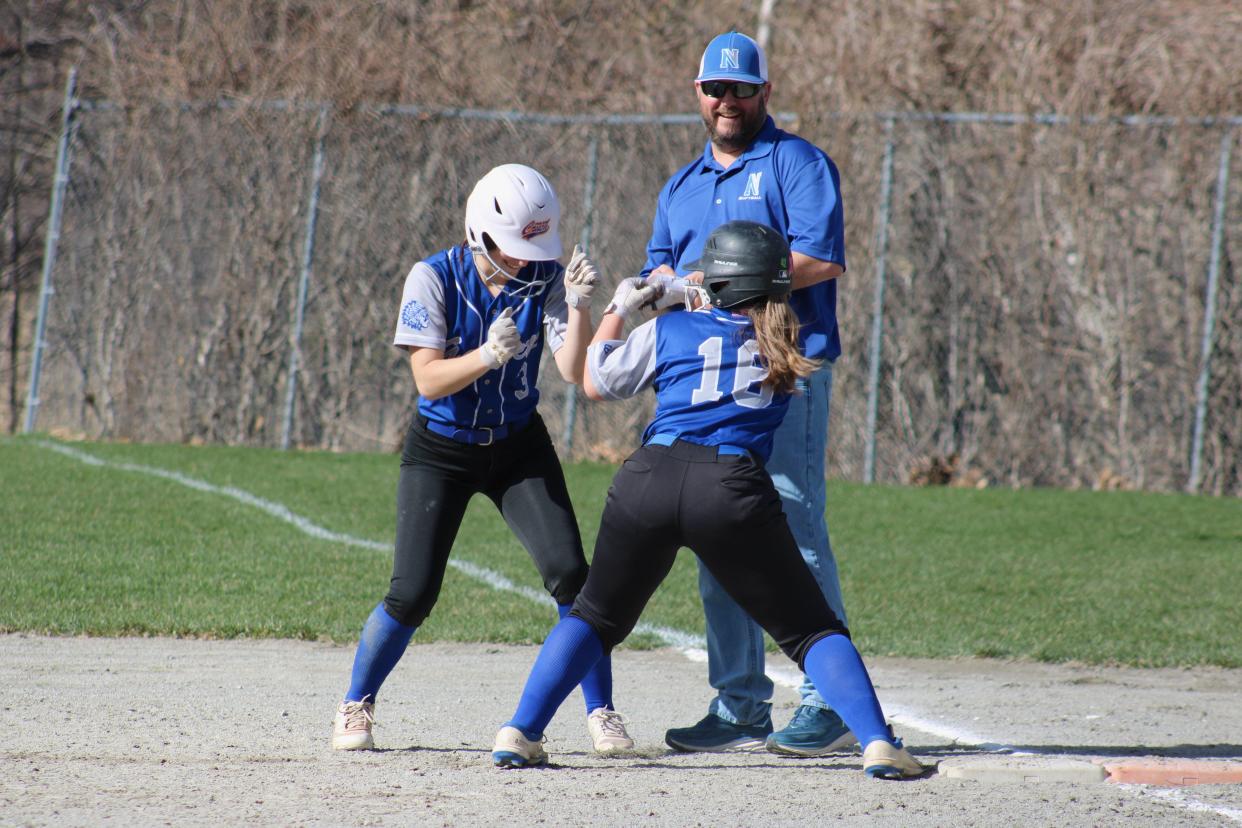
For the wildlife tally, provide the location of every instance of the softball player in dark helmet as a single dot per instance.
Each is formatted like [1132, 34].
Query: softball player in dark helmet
[723, 376]
[474, 319]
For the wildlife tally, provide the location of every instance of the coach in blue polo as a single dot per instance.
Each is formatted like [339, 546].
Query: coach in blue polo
[752, 170]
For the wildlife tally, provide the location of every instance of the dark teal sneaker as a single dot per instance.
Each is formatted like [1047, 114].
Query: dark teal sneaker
[713, 735]
[813, 731]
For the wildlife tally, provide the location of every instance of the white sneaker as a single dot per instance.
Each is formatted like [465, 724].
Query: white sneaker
[607, 728]
[351, 729]
[514, 750]
[885, 760]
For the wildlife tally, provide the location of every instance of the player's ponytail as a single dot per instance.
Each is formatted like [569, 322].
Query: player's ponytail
[776, 331]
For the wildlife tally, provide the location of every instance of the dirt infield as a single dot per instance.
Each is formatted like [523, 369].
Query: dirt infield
[160, 731]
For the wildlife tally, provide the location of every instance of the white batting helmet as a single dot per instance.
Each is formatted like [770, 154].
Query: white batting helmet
[515, 207]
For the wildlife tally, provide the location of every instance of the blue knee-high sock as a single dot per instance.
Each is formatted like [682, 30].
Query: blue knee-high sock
[597, 684]
[383, 641]
[571, 649]
[841, 678]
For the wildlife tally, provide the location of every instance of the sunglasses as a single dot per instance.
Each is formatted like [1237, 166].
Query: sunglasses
[741, 89]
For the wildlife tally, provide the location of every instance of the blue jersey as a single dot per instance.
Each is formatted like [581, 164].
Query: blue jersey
[445, 305]
[782, 181]
[704, 366]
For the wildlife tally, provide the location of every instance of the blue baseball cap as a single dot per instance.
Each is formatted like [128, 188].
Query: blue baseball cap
[735, 57]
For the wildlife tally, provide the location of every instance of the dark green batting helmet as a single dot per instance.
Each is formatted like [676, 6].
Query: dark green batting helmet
[743, 261]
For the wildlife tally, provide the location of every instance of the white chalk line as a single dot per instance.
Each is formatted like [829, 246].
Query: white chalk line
[667, 636]
[791, 677]
[1177, 798]
[693, 647]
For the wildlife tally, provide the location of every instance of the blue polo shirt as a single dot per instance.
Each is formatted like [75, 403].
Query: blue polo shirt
[782, 181]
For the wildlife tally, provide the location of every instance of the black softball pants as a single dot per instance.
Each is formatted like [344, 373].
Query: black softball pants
[521, 474]
[726, 510]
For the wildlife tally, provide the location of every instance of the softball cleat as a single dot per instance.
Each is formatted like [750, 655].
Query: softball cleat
[514, 750]
[608, 734]
[888, 760]
[351, 729]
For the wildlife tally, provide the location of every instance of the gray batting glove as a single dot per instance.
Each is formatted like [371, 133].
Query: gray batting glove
[634, 293]
[502, 341]
[580, 280]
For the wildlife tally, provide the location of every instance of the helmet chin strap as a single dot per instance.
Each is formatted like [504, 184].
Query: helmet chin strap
[697, 298]
[523, 285]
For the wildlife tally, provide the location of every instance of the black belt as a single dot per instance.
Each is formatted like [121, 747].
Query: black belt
[477, 436]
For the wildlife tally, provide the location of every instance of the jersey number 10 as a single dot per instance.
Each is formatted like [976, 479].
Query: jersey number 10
[746, 374]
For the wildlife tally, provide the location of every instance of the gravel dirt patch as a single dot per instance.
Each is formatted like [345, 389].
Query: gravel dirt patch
[180, 732]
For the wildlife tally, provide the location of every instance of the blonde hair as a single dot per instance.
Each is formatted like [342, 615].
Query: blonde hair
[776, 331]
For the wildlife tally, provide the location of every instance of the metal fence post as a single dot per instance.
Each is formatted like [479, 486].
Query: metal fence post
[308, 256]
[1209, 311]
[60, 182]
[588, 204]
[877, 319]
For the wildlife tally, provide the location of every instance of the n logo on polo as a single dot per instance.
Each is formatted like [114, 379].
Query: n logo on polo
[728, 59]
[751, 193]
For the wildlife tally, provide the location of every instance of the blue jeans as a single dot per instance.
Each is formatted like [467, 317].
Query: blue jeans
[735, 651]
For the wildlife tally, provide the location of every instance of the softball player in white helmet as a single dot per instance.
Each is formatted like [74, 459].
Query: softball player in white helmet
[474, 319]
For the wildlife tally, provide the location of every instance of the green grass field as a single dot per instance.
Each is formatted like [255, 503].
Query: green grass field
[1118, 577]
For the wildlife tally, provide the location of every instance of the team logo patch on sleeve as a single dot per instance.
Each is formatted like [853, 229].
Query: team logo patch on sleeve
[535, 228]
[414, 315]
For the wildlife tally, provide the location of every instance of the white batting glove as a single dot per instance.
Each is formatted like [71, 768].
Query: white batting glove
[633, 293]
[673, 290]
[502, 341]
[580, 279]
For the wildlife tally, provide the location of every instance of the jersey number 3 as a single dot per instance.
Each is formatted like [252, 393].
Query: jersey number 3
[746, 374]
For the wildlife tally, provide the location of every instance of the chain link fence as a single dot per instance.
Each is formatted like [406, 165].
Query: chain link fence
[1026, 301]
